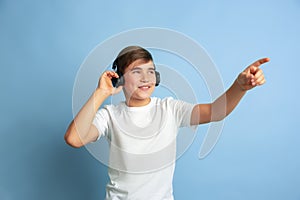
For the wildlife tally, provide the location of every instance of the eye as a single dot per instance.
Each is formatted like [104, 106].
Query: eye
[136, 71]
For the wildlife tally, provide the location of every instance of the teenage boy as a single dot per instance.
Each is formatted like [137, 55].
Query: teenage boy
[142, 130]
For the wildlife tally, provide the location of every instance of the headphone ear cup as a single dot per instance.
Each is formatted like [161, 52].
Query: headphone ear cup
[121, 81]
[116, 82]
[157, 76]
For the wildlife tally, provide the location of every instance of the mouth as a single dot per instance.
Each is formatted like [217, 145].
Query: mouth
[144, 87]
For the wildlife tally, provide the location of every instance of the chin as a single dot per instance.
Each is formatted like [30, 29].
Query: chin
[142, 97]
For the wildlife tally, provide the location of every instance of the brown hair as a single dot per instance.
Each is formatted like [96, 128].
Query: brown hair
[129, 55]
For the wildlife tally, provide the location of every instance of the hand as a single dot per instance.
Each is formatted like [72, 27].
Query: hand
[252, 76]
[105, 83]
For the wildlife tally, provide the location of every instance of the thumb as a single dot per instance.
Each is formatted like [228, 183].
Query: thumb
[117, 90]
[253, 69]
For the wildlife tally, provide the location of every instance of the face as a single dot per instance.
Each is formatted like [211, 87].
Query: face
[140, 82]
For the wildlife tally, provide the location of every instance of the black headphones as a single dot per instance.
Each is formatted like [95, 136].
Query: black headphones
[120, 81]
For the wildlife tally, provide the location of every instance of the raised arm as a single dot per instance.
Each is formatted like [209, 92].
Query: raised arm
[251, 77]
[81, 130]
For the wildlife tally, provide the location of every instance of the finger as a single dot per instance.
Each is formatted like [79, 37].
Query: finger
[260, 62]
[253, 70]
[111, 74]
[117, 90]
[249, 75]
[260, 80]
[258, 73]
[263, 82]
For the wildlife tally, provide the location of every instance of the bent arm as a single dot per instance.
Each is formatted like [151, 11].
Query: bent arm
[81, 130]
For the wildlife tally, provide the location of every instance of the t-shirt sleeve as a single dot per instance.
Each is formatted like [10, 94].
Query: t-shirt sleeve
[101, 122]
[182, 112]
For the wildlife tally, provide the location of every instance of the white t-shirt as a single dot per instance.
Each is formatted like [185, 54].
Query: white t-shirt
[142, 142]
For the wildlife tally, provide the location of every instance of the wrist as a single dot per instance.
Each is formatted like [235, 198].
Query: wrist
[240, 85]
[99, 96]
[100, 93]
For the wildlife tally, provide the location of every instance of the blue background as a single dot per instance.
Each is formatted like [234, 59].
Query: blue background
[43, 43]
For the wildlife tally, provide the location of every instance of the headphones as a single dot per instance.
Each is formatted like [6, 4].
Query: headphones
[116, 82]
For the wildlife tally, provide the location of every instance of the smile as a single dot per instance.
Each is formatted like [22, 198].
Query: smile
[145, 87]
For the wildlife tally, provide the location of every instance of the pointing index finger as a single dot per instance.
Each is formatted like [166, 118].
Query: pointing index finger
[260, 62]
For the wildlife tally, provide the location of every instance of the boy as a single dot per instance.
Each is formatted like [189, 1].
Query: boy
[142, 130]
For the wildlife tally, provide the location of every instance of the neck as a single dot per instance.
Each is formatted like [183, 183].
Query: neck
[137, 102]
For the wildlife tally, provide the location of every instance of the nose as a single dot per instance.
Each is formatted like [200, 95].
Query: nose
[144, 78]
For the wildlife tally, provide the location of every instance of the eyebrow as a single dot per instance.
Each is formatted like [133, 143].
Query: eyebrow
[139, 68]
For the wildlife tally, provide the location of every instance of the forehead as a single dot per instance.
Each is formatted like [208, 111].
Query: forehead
[140, 63]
